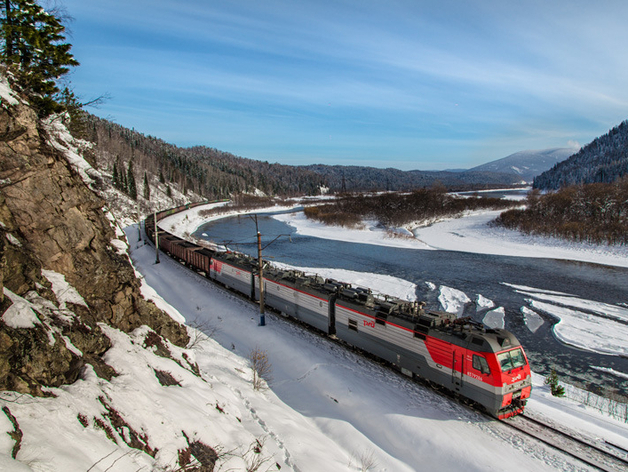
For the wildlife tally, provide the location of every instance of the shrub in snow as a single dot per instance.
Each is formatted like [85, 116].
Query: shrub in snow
[262, 368]
[552, 380]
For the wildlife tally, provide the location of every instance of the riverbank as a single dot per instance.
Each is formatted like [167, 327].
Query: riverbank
[469, 233]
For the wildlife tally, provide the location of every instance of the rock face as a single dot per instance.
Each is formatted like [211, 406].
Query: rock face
[50, 219]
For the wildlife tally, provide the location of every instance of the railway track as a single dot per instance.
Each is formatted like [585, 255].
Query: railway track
[602, 456]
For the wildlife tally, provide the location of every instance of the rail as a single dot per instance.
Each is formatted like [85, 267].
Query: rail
[602, 456]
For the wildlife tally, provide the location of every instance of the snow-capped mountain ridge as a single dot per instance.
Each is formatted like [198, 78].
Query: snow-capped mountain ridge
[527, 164]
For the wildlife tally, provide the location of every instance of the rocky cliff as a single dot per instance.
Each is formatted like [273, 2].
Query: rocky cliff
[55, 229]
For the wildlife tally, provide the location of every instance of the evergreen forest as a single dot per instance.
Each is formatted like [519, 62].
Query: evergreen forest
[604, 160]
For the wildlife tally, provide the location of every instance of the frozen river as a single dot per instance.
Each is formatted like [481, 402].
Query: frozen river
[527, 295]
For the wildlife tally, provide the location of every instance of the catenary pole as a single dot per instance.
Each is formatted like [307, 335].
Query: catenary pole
[139, 223]
[156, 239]
[262, 316]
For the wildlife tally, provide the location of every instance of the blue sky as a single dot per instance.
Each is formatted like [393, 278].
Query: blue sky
[408, 84]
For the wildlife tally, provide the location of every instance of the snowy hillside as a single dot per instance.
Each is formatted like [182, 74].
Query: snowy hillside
[527, 164]
[327, 408]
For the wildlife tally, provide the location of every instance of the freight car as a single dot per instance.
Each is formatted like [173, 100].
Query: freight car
[486, 366]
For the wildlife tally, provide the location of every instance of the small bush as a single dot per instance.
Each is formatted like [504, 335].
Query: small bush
[556, 389]
[165, 378]
[261, 367]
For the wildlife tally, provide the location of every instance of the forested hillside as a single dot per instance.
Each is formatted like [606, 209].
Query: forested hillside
[605, 159]
[205, 171]
[359, 178]
[211, 173]
[596, 213]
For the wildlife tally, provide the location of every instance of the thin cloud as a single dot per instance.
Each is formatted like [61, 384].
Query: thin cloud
[440, 81]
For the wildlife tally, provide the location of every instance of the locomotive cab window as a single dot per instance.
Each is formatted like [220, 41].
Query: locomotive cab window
[511, 359]
[479, 363]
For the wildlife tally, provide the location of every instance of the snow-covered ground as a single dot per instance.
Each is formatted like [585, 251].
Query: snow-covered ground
[327, 408]
[349, 411]
[470, 233]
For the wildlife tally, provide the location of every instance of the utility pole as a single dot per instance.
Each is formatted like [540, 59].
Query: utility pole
[156, 239]
[260, 270]
[260, 273]
[139, 223]
[262, 317]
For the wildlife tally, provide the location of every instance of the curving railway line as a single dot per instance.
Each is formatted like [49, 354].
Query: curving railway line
[486, 366]
[595, 453]
[600, 455]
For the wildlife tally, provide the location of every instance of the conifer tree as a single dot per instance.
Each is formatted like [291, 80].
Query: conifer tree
[34, 47]
[552, 380]
[146, 187]
[123, 179]
[115, 179]
[130, 182]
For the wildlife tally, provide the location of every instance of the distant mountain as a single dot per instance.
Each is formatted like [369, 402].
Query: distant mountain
[605, 159]
[527, 164]
[211, 173]
[360, 178]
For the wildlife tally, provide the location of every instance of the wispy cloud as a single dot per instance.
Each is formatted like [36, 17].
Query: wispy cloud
[418, 79]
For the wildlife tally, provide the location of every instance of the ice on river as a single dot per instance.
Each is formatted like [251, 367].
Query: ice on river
[585, 324]
[453, 300]
[495, 318]
[484, 303]
[532, 319]
[608, 370]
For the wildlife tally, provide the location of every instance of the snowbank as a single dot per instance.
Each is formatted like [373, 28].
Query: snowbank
[364, 410]
[185, 223]
[370, 234]
[469, 233]
[472, 233]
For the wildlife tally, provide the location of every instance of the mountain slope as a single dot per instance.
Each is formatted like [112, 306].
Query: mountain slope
[526, 164]
[361, 178]
[203, 172]
[605, 159]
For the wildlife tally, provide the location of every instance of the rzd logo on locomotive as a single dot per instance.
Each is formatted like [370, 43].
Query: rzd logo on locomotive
[370, 324]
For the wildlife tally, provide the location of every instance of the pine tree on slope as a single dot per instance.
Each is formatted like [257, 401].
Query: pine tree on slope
[34, 48]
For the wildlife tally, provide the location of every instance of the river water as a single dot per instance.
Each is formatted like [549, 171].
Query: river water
[473, 274]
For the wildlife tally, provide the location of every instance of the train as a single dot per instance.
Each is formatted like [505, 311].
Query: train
[485, 366]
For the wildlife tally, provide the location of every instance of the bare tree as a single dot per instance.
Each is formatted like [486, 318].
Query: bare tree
[261, 367]
[202, 330]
